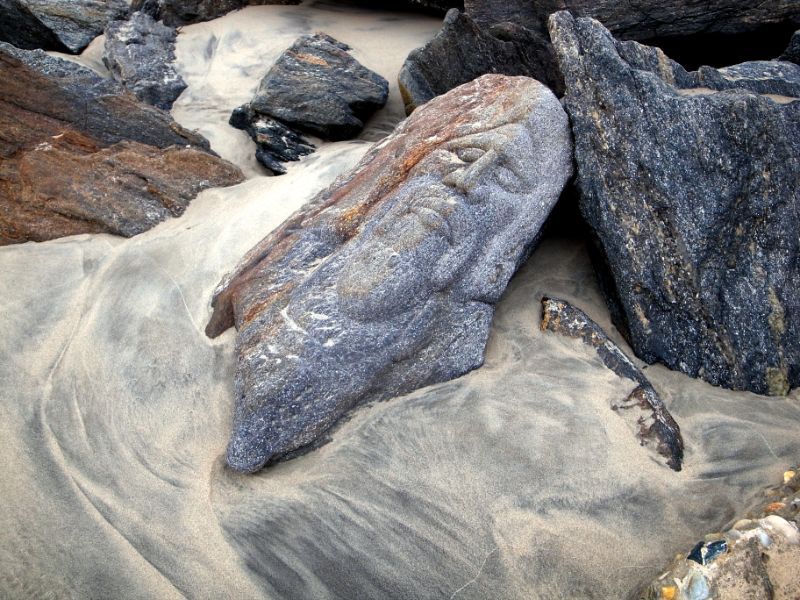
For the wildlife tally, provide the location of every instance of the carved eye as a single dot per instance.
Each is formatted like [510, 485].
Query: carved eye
[469, 154]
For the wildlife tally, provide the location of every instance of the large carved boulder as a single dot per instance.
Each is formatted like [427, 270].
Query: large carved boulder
[692, 194]
[79, 154]
[64, 25]
[386, 281]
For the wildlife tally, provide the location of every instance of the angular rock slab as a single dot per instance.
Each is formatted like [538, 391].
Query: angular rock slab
[64, 25]
[139, 53]
[654, 425]
[315, 87]
[693, 197]
[184, 12]
[462, 51]
[79, 154]
[386, 281]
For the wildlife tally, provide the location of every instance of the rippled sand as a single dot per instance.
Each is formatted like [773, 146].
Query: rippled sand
[515, 481]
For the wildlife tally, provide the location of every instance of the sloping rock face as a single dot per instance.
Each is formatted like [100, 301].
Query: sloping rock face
[184, 12]
[78, 154]
[64, 25]
[139, 53]
[693, 197]
[644, 408]
[642, 20]
[792, 52]
[462, 51]
[386, 281]
[316, 87]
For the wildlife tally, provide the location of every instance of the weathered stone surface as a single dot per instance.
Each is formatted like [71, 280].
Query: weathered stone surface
[275, 142]
[792, 52]
[654, 425]
[643, 19]
[316, 87]
[773, 77]
[79, 154]
[462, 51]
[386, 281]
[139, 53]
[65, 25]
[184, 12]
[693, 197]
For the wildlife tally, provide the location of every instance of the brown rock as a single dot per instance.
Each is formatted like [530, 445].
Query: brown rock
[79, 154]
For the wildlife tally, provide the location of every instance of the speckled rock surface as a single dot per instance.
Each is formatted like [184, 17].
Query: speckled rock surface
[643, 408]
[462, 51]
[386, 281]
[64, 25]
[184, 12]
[792, 52]
[139, 53]
[644, 19]
[692, 196]
[79, 154]
[315, 87]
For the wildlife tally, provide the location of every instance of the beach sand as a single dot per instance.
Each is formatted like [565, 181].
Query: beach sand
[514, 481]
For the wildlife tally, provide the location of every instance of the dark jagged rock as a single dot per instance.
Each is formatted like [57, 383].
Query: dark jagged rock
[792, 52]
[79, 154]
[643, 19]
[386, 281]
[64, 25]
[654, 425]
[462, 51]
[139, 53]
[275, 142]
[316, 87]
[692, 195]
[763, 77]
[184, 12]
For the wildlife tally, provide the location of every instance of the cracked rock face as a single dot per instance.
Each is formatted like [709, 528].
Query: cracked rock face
[692, 194]
[314, 87]
[79, 154]
[140, 53]
[386, 281]
[63, 25]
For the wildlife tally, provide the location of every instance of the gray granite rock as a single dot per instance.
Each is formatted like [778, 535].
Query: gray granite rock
[139, 52]
[792, 52]
[386, 281]
[314, 87]
[778, 78]
[462, 51]
[692, 195]
[643, 408]
[64, 25]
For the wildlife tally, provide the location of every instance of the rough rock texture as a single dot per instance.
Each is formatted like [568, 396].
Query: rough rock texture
[643, 19]
[184, 12]
[275, 142]
[386, 281]
[693, 197]
[462, 51]
[315, 87]
[64, 25]
[792, 52]
[763, 77]
[139, 53]
[760, 560]
[79, 154]
[655, 426]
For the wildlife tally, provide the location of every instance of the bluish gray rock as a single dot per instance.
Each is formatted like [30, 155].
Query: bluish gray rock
[792, 52]
[692, 194]
[386, 281]
[140, 53]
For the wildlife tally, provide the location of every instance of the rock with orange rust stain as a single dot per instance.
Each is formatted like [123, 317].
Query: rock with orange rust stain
[386, 281]
[79, 154]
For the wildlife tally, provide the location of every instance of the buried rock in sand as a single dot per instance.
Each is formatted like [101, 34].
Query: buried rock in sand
[386, 281]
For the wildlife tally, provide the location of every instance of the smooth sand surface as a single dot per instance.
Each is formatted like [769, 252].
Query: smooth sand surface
[514, 481]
